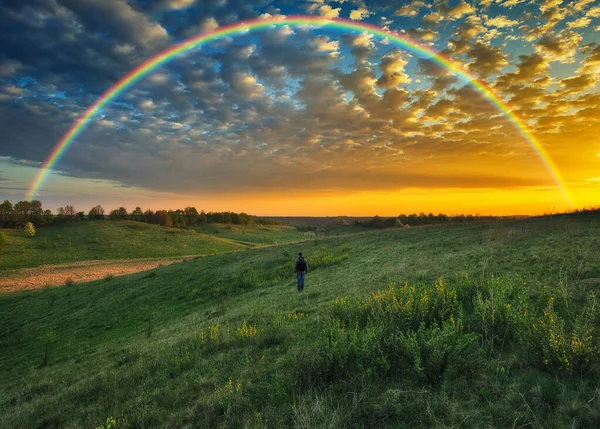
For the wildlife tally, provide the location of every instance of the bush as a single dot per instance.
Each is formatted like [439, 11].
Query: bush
[3, 240]
[29, 230]
[554, 344]
[69, 282]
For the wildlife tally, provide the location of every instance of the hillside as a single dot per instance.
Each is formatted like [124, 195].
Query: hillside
[109, 240]
[465, 325]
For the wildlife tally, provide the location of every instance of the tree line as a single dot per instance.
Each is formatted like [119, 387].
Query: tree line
[15, 216]
[419, 219]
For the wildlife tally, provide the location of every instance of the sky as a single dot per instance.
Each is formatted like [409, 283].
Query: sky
[303, 120]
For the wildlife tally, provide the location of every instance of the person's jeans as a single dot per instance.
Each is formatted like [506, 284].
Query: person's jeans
[300, 277]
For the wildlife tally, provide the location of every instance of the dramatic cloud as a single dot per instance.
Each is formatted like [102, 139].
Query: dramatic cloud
[341, 110]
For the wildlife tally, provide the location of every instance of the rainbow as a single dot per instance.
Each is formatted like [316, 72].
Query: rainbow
[178, 49]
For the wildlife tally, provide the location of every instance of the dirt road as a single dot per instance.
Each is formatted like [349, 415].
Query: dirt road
[56, 275]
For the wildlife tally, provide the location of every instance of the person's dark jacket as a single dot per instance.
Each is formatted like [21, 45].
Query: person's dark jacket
[299, 265]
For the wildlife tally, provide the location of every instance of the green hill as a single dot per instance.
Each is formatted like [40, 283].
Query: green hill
[102, 240]
[484, 325]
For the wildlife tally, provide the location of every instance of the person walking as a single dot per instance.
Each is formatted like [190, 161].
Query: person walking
[301, 269]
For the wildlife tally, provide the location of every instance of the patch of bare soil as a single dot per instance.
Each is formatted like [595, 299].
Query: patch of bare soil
[56, 275]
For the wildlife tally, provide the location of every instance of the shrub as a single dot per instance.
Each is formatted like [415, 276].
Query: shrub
[3, 240]
[109, 276]
[29, 230]
[554, 344]
[69, 282]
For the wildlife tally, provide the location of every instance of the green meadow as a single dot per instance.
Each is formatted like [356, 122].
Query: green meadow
[476, 325]
[253, 235]
[107, 240]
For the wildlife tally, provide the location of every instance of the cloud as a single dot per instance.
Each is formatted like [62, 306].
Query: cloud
[9, 68]
[456, 12]
[580, 5]
[439, 76]
[579, 23]
[394, 74]
[465, 33]
[511, 3]
[549, 4]
[528, 68]
[324, 44]
[361, 45]
[578, 83]
[486, 59]
[423, 34]
[359, 14]
[432, 19]
[324, 10]
[411, 9]
[121, 20]
[178, 4]
[501, 21]
[561, 47]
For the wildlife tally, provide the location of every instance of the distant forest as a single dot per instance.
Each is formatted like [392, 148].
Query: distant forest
[14, 216]
[32, 211]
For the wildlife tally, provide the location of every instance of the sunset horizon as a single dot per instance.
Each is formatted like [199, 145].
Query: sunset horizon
[317, 108]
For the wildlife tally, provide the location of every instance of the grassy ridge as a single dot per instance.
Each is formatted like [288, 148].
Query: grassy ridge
[102, 240]
[475, 325]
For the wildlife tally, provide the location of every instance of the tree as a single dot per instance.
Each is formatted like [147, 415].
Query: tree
[164, 218]
[149, 216]
[70, 212]
[6, 212]
[35, 211]
[191, 215]
[21, 212]
[29, 230]
[60, 214]
[48, 217]
[97, 212]
[137, 214]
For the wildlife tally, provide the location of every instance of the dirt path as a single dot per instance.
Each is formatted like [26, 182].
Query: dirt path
[56, 275]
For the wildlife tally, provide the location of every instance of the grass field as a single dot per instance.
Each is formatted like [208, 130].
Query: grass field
[253, 234]
[103, 240]
[483, 325]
